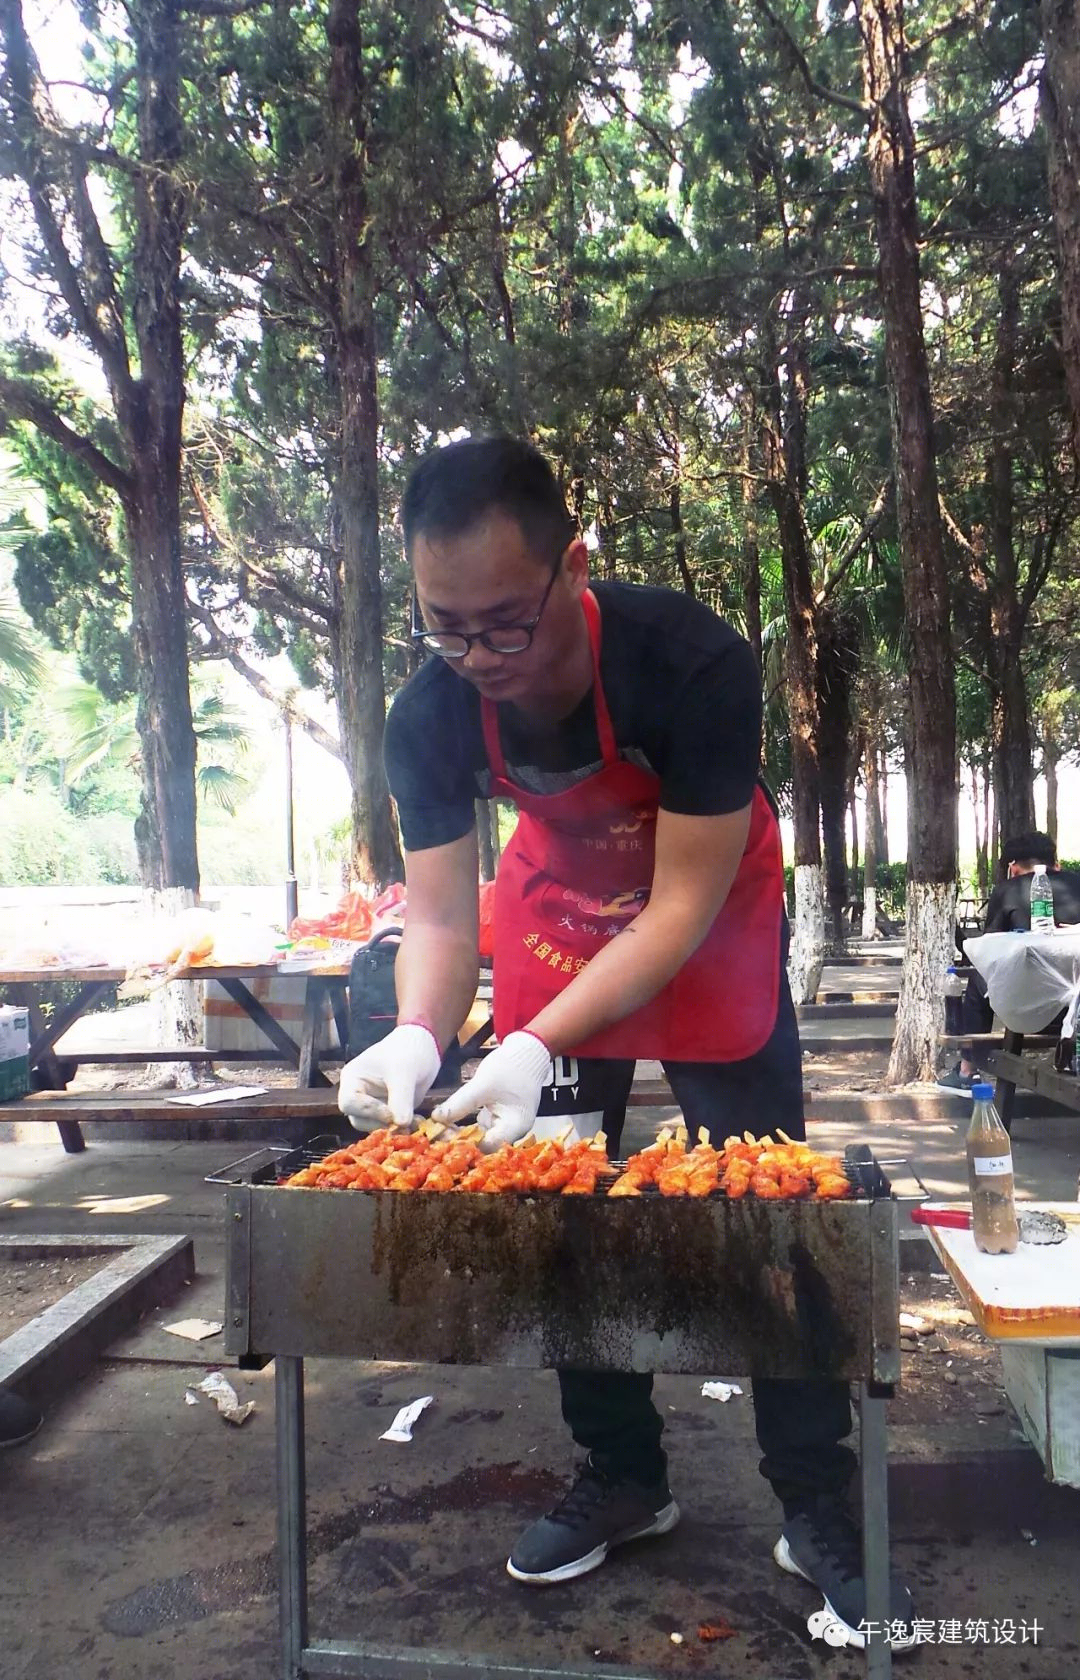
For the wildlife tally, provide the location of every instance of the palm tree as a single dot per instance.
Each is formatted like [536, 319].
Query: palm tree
[93, 731]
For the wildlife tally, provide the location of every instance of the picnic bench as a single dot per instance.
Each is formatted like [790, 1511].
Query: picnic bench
[1001, 1053]
[1006, 1061]
[53, 1068]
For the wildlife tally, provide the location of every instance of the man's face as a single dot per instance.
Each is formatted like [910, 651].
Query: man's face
[488, 577]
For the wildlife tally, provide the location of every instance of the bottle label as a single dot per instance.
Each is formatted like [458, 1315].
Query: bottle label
[992, 1165]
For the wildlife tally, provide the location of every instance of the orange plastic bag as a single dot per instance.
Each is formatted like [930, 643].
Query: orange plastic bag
[349, 919]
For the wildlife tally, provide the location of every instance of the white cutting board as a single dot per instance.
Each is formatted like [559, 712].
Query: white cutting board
[1030, 1296]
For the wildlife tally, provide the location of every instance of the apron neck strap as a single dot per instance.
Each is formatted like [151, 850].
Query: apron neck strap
[489, 712]
[604, 730]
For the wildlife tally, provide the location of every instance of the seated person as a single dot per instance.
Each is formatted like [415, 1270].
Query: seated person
[1009, 908]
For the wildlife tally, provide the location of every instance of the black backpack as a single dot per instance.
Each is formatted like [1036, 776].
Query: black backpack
[373, 1001]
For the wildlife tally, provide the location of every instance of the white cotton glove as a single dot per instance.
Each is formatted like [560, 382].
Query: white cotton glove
[505, 1093]
[383, 1085]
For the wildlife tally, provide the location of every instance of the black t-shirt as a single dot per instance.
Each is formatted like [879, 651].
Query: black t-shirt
[682, 689]
[1010, 902]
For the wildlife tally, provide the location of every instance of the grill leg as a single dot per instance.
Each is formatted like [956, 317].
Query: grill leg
[873, 1464]
[292, 1514]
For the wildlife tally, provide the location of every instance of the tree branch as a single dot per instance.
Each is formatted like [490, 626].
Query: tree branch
[857, 543]
[289, 592]
[798, 57]
[88, 285]
[19, 401]
[221, 8]
[225, 648]
[965, 545]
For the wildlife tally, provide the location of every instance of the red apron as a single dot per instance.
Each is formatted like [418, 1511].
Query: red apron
[579, 868]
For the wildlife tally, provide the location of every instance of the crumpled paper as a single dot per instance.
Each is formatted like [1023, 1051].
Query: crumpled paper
[218, 1389]
[719, 1391]
[401, 1428]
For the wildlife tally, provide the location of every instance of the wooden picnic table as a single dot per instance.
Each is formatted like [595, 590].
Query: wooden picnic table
[54, 1068]
[1030, 976]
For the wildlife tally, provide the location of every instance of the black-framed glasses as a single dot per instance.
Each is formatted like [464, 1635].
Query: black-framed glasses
[501, 638]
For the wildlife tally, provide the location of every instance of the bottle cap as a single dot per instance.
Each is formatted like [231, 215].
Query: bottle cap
[951, 969]
[982, 1093]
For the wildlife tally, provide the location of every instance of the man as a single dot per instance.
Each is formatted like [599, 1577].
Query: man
[639, 912]
[1009, 908]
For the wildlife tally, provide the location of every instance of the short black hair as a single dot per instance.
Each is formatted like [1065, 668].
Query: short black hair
[453, 487]
[1033, 847]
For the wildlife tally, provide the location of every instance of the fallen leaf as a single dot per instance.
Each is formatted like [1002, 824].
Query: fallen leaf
[708, 1632]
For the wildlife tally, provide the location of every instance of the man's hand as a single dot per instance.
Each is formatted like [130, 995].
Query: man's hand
[383, 1085]
[505, 1091]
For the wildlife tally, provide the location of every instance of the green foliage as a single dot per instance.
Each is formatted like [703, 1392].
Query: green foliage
[41, 843]
[569, 239]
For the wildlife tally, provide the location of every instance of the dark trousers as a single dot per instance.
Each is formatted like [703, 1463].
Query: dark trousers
[978, 1017]
[976, 1013]
[800, 1425]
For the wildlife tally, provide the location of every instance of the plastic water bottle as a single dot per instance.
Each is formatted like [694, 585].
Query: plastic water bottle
[1042, 902]
[954, 1004]
[990, 1177]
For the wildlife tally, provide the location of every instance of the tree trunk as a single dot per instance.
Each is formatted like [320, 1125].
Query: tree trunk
[151, 412]
[1051, 758]
[932, 783]
[177, 1007]
[882, 811]
[605, 531]
[837, 667]
[1010, 727]
[870, 842]
[980, 819]
[750, 567]
[165, 830]
[376, 857]
[678, 532]
[783, 460]
[1059, 105]
[484, 826]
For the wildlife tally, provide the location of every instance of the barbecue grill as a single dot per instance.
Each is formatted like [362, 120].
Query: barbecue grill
[782, 1288]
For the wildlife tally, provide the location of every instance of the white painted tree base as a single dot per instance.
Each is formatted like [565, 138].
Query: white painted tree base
[928, 950]
[807, 951]
[869, 913]
[178, 1007]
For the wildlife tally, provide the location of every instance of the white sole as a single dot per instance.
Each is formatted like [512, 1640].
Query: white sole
[663, 1522]
[953, 1091]
[782, 1555]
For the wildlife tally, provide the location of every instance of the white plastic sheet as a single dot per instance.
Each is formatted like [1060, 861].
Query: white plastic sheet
[1029, 976]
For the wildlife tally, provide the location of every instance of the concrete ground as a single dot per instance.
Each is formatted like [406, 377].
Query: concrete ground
[138, 1531]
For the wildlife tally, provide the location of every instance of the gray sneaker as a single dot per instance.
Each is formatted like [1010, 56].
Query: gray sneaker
[19, 1421]
[824, 1546]
[957, 1084]
[596, 1514]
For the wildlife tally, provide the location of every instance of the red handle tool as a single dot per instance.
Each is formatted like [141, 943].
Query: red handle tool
[958, 1217]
